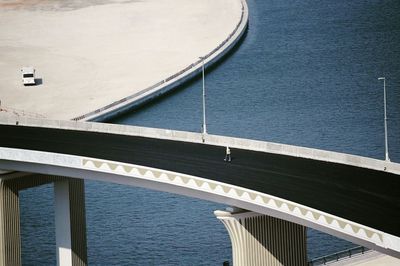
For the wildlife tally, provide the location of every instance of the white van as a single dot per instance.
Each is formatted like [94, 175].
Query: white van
[28, 76]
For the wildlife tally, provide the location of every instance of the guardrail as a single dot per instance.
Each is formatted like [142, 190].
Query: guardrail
[186, 69]
[348, 253]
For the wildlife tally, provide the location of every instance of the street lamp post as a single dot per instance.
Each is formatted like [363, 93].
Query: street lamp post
[204, 100]
[385, 117]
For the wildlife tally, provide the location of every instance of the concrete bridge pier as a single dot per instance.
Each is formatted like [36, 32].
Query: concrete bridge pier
[70, 222]
[263, 240]
[69, 217]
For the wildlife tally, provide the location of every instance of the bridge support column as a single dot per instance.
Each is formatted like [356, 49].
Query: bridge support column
[264, 240]
[70, 215]
[10, 235]
[70, 222]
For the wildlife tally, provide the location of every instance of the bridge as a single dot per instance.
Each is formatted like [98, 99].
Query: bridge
[283, 188]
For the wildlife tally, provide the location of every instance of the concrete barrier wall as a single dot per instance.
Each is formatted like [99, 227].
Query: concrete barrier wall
[262, 146]
[168, 84]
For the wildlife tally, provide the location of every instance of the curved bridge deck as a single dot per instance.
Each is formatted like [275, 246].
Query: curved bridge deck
[365, 196]
[351, 197]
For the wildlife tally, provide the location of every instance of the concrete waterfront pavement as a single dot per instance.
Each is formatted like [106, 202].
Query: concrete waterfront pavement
[89, 54]
[380, 259]
[371, 258]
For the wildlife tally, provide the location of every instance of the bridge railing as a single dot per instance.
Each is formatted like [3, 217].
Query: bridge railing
[337, 256]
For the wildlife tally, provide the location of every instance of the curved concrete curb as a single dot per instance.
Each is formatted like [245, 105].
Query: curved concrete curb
[168, 84]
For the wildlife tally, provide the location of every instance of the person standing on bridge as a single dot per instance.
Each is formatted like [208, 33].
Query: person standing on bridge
[228, 155]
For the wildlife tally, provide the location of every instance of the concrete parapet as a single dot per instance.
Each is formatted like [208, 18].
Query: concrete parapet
[247, 144]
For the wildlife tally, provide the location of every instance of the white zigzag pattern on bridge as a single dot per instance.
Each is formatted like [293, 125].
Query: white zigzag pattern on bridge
[235, 192]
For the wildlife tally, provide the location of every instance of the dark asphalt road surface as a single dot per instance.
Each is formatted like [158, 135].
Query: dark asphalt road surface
[365, 196]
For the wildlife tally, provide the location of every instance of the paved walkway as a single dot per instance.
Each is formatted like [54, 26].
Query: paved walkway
[90, 53]
[371, 258]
